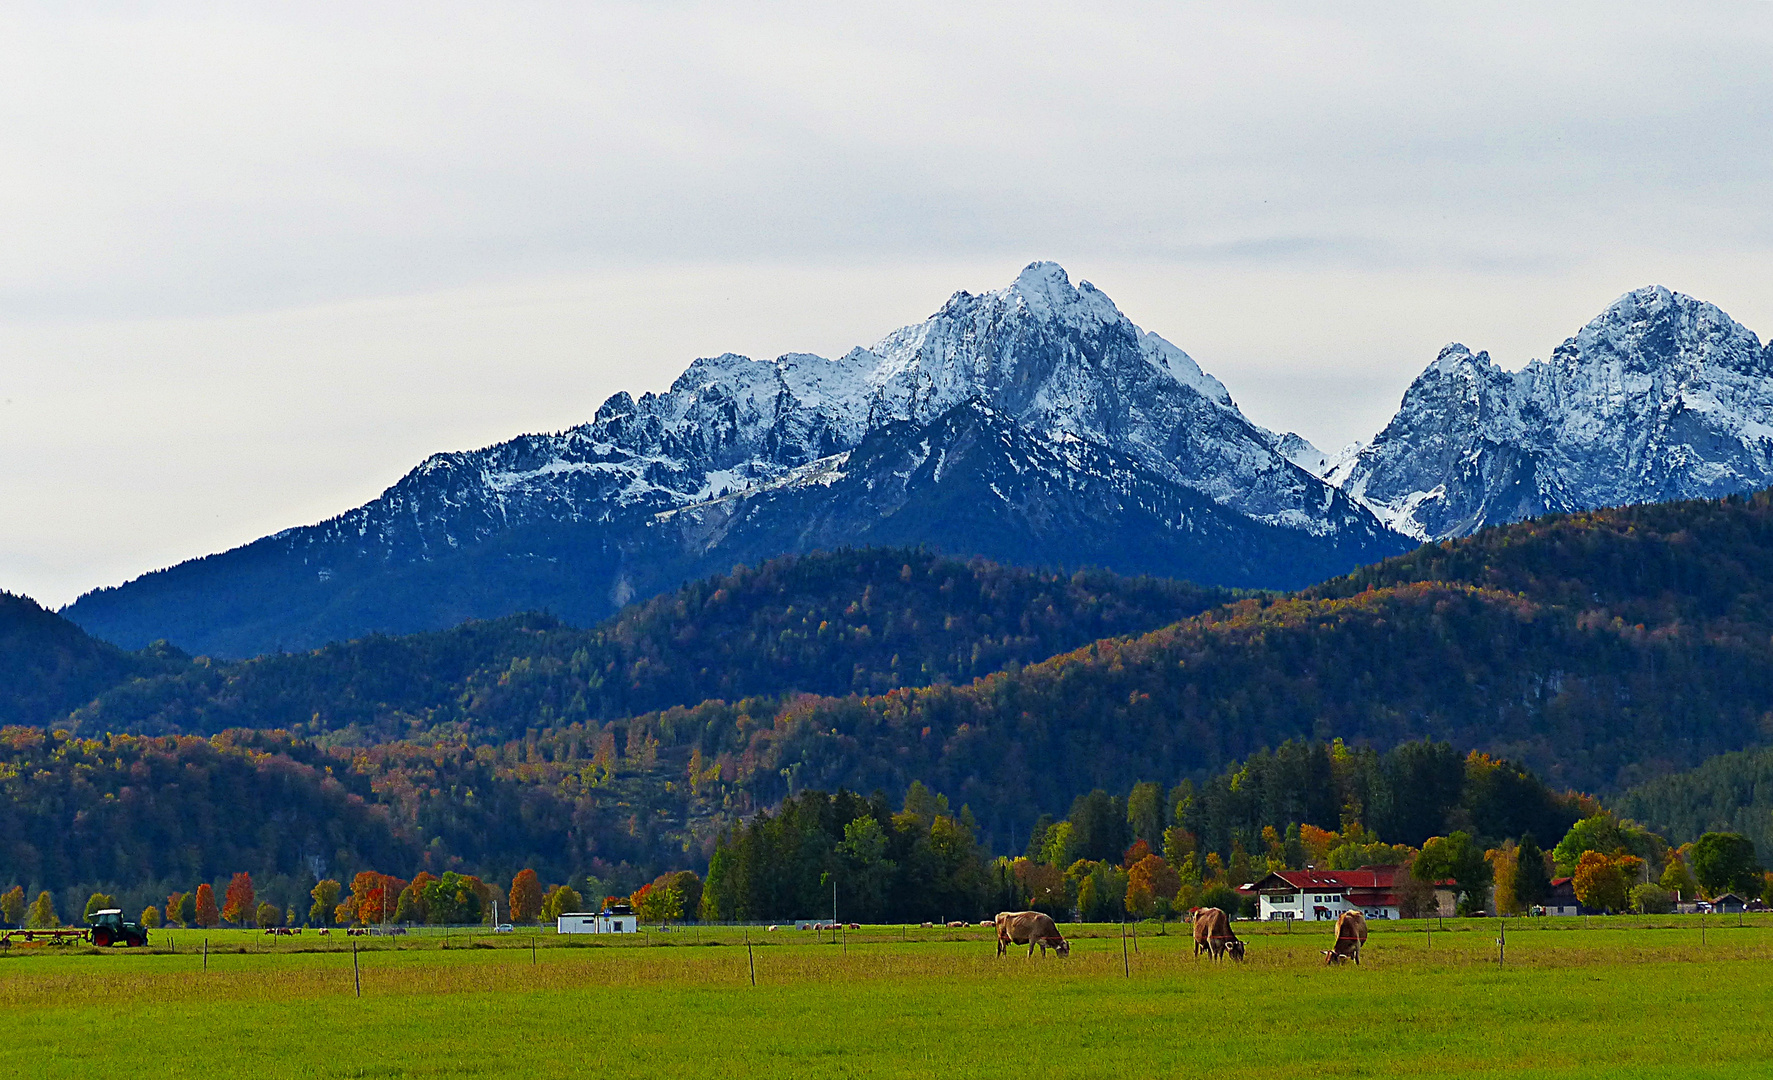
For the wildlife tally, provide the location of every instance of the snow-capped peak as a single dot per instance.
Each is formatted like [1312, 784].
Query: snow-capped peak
[1661, 396]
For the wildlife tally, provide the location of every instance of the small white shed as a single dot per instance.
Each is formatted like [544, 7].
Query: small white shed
[596, 922]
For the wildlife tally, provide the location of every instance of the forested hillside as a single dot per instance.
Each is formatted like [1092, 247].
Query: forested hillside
[146, 816]
[49, 666]
[832, 623]
[1599, 651]
[1702, 562]
[1729, 793]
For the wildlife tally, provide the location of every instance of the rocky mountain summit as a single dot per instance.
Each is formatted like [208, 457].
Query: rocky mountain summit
[1661, 397]
[1032, 424]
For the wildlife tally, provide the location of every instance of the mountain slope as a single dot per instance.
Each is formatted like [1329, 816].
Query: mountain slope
[1599, 650]
[868, 620]
[1111, 431]
[49, 666]
[1660, 397]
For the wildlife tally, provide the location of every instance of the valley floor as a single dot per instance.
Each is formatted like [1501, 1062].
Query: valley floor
[1611, 997]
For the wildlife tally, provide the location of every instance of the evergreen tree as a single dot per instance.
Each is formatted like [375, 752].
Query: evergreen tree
[1145, 814]
[1532, 882]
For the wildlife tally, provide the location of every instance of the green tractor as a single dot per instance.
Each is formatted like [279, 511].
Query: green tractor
[106, 928]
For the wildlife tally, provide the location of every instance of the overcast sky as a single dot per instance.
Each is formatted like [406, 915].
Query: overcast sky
[259, 260]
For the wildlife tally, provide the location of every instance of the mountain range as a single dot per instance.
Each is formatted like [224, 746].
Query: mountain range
[1034, 425]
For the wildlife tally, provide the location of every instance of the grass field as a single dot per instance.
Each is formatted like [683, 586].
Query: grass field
[1607, 997]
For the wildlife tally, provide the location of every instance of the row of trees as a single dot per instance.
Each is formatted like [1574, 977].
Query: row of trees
[447, 899]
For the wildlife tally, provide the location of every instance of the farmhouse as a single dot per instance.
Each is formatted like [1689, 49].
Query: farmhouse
[1313, 895]
[616, 920]
[1562, 900]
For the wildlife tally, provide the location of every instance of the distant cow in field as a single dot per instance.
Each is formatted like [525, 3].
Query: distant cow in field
[1351, 934]
[324, 930]
[1030, 928]
[1213, 933]
[957, 924]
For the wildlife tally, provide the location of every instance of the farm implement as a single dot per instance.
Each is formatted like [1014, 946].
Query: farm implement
[103, 928]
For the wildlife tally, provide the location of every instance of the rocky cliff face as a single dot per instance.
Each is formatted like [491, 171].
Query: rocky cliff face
[1661, 397]
[1035, 423]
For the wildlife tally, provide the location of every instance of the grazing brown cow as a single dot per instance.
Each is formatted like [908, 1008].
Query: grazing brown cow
[1030, 928]
[1213, 933]
[1351, 934]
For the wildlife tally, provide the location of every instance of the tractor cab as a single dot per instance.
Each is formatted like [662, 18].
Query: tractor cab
[107, 928]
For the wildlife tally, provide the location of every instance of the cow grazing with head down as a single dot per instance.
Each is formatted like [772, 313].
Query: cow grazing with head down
[1030, 928]
[1351, 934]
[1213, 933]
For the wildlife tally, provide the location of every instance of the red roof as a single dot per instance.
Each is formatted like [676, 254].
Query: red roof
[1367, 877]
[1370, 886]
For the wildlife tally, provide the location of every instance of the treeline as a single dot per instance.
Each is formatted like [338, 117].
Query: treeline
[851, 621]
[1153, 850]
[820, 851]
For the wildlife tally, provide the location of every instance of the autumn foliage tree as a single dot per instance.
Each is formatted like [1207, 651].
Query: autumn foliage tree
[42, 915]
[526, 897]
[1150, 880]
[653, 904]
[1600, 882]
[411, 906]
[12, 906]
[269, 915]
[206, 914]
[1505, 868]
[240, 904]
[374, 898]
[173, 902]
[188, 909]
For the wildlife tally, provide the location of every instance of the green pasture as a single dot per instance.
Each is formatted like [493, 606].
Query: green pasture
[1574, 998]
